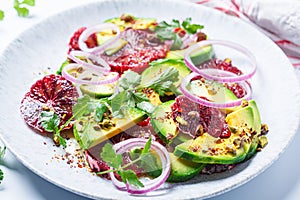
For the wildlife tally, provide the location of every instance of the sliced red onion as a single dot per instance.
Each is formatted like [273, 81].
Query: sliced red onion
[213, 74]
[85, 72]
[95, 29]
[205, 102]
[100, 64]
[150, 185]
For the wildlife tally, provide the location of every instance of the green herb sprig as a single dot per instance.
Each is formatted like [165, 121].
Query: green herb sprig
[165, 31]
[20, 7]
[2, 152]
[130, 86]
[50, 122]
[115, 161]
[84, 106]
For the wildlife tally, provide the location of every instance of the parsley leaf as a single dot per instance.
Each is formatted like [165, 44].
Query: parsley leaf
[29, 2]
[100, 110]
[2, 152]
[115, 161]
[50, 122]
[164, 82]
[167, 31]
[109, 156]
[117, 101]
[2, 15]
[146, 106]
[147, 146]
[129, 80]
[82, 107]
[21, 10]
[189, 27]
[130, 177]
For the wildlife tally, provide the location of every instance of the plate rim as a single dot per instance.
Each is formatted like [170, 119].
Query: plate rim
[16, 40]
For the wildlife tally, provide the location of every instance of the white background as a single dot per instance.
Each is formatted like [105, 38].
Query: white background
[279, 182]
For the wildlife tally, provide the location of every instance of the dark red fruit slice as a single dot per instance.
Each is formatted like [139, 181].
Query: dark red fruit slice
[195, 119]
[73, 44]
[53, 93]
[142, 48]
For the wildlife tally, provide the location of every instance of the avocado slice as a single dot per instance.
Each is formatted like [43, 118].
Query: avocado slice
[163, 123]
[256, 127]
[183, 170]
[88, 132]
[211, 90]
[156, 68]
[197, 57]
[97, 91]
[212, 150]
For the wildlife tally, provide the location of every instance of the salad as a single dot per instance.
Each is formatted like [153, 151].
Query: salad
[150, 102]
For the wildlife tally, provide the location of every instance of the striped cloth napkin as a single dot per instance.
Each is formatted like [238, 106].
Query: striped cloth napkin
[278, 19]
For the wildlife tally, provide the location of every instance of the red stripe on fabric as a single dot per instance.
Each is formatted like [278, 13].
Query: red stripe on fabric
[227, 11]
[296, 65]
[237, 7]
[293, 57]
[203, 1]
[282, 42]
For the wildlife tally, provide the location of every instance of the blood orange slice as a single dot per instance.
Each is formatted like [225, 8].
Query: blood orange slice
[53, 93]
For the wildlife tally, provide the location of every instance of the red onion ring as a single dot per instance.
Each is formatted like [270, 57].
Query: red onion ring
[104, 66]
[74, 66]
[204, 102]
[203, 72]
[95, 29]
[153, 184]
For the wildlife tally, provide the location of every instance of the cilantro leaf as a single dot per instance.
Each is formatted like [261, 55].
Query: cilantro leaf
[50, 121]
[109, 156]
[59, 140]
[82, 107]
[100, 110]
[165, 31]
[146, 106]
[130, 177]
[117, 101]
[29, 2]
[1, 176]
[2, 15]
[147, 146]
[2, 152]
[129, 80]
[164, 82]
[22, 11]
[189, 27]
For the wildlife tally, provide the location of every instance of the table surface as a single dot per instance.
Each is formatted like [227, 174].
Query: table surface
[281, 181]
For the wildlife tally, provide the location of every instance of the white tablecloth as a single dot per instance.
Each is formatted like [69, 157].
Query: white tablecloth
[279, 182]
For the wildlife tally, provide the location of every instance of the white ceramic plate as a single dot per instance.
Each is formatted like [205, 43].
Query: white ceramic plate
[275, 87]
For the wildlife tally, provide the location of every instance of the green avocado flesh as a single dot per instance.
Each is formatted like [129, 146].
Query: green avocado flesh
[211, 90]
[183, 170]
[212, 150]
[197, 57]
[97, 91]
[257, 129]
[163, 123]
[158, 67]
[88, 133]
